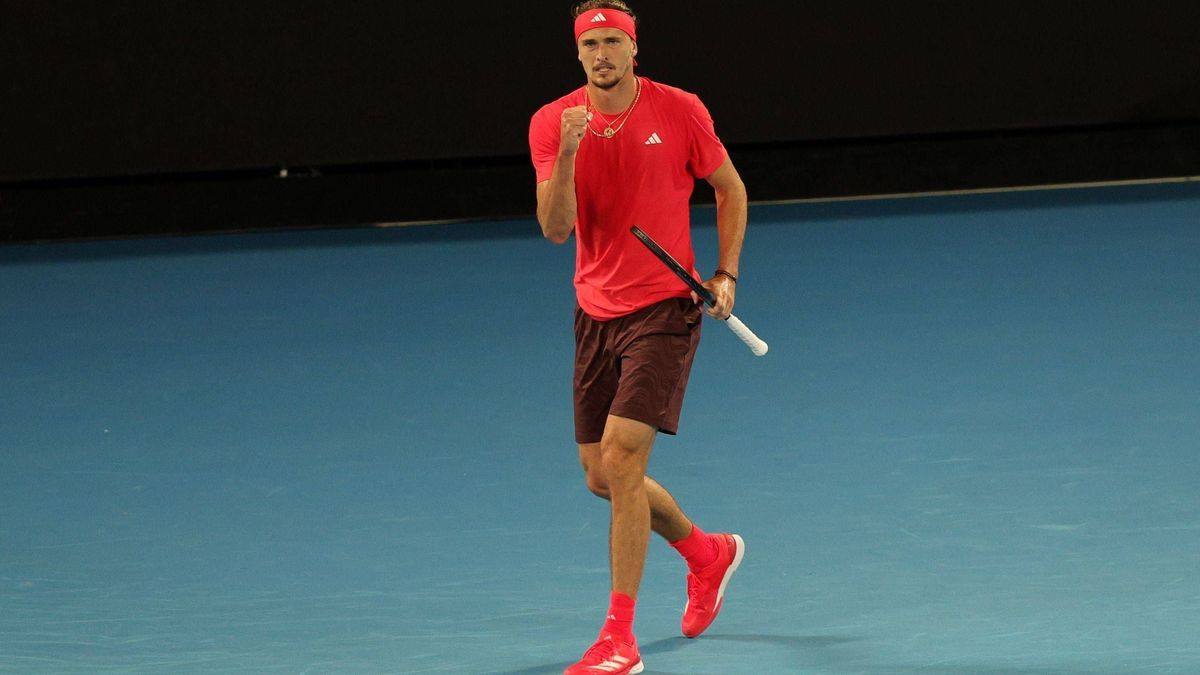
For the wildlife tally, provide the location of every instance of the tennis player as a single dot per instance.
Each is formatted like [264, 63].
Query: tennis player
[623, 150]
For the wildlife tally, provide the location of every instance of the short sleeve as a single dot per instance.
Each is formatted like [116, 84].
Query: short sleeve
[707, 153]
[544, 131]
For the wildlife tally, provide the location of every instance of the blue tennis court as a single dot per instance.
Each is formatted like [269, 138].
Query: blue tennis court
[973, 448]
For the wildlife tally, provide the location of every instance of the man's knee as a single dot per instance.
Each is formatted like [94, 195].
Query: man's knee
[593, 470]
[623, 465]
[596, 483]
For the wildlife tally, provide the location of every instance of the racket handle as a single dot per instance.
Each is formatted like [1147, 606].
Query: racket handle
[752, 341]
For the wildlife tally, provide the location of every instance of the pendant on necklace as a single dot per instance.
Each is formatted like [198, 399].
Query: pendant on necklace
[609, 133]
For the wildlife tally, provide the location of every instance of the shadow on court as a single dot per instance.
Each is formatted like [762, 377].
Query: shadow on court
[795, 642]
[802, 644]
[979, 669]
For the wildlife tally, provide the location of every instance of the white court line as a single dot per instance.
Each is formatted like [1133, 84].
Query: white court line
[407, 223]
[884, 196]
[984, 191]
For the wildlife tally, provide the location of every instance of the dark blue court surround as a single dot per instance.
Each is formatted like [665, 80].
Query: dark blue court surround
[972, 448]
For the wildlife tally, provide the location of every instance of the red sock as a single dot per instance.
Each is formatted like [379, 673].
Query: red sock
[620, 617]
[698, 549]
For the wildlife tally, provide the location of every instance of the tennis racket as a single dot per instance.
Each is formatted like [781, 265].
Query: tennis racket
[739, 329]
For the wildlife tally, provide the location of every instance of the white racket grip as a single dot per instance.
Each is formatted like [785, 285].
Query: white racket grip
[752, 341]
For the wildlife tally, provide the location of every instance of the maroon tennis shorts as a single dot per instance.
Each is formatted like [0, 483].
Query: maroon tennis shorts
[634, 366]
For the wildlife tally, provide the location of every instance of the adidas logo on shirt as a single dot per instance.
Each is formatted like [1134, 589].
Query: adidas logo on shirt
[654, 139]
[598, 18]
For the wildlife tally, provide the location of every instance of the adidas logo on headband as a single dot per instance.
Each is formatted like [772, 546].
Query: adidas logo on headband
[612, 18]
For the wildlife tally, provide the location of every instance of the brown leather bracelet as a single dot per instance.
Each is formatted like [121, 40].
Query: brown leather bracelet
[724, 273]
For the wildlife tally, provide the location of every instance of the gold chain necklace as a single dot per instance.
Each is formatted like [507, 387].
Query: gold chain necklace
[609, 130]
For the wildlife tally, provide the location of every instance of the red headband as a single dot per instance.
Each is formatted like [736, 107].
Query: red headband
[605, 18]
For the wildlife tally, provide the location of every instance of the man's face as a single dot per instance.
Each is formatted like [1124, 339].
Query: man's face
[607, 55]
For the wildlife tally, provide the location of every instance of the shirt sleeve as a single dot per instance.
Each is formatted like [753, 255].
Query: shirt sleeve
[707, 151]
[543, 142]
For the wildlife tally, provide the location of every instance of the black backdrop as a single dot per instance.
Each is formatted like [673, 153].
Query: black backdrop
[112, 93]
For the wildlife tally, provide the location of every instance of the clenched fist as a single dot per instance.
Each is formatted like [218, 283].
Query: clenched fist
[574, 127]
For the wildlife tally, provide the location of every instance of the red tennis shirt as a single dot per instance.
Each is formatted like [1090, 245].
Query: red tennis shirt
[642, 176]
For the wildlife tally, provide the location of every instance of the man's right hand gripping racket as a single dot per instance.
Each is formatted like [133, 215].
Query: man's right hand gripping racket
[739, 329]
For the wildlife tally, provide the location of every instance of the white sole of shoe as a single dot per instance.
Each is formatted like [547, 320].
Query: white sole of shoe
[737, 560]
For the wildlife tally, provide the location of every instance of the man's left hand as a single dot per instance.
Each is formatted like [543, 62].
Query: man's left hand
[723, 289]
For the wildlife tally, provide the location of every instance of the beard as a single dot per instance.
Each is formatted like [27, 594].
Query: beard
[608, 84]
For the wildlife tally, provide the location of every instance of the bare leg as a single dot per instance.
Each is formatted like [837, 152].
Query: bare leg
[624, 454]
[666, 518]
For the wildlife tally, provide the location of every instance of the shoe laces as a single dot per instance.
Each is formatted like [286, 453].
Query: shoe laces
[693, 587]
[602, 650]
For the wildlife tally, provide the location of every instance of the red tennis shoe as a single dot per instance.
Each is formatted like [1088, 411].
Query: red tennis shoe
[609, 656]
[706, 587]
